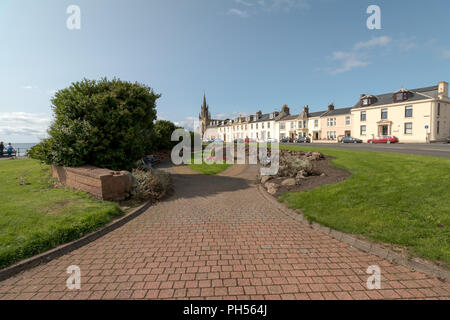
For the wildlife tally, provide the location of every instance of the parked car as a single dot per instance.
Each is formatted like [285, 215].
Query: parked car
[271, 140]
[218, 140]
[285, 140]
[351, 140]
[383, 139]
[447, 140]
[303, 140]
[239, 141]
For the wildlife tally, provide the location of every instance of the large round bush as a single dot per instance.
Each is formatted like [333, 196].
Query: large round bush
[103, 123]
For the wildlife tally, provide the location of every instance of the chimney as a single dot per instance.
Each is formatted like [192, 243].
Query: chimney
[443, 89]
[306, 109]
[285, 109]
[331, 107]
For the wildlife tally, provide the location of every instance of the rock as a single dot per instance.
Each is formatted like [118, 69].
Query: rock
[272, 188]
[288, 182]
[322, 174]
[302, 174]
[316, 156]
[264, 179]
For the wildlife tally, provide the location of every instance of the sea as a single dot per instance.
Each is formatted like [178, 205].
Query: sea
[21, 148]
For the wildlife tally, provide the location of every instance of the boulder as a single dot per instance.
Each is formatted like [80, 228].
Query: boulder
[272, 188]
[264, 179]
[289, 182]
[302, 174]
[316, 155]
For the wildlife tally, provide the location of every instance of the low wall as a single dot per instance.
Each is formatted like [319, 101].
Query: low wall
[103, 184]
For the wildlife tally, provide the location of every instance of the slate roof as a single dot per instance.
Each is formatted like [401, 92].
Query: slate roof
[414, 95]
[337, 112]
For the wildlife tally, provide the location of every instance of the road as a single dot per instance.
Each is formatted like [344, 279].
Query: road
[219, 237]
[435, 150]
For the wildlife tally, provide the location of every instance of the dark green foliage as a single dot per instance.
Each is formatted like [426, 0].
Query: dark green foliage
[162, 132]
[103, 123]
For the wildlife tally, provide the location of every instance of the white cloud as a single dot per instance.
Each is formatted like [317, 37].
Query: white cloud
[188, 123]
[446, 54]
[374, 42]
[237, 12]
[253, 7]
[348, 61]
[28, 87]
[244, 3]
[23, 124]
[361, 52]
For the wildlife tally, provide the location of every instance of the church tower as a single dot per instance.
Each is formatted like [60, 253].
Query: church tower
[204, 116]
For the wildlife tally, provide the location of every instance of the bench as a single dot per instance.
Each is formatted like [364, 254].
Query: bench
[6, 155]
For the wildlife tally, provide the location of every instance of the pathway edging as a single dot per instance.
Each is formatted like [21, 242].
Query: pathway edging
[71, 246]
[413, 263]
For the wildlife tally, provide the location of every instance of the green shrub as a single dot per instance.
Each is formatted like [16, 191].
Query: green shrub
[162, 133]
[103, 123]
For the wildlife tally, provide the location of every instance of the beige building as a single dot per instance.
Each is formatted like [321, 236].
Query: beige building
[413, 116]
[336, 124]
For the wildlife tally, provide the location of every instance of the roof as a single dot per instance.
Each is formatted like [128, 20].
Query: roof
[414, 95]
[337, 112]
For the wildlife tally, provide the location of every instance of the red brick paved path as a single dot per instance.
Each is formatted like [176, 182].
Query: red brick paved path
[218, 238]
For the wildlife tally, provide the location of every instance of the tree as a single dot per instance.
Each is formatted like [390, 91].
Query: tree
[108, 124]
[162, 132]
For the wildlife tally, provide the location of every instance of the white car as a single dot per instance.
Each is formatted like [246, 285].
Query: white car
[270, 140]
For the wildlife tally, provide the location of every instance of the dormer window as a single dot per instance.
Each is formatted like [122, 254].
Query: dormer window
[366, 101]
[401, 95]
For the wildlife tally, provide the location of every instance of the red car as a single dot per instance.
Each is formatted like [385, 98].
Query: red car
[248, 140]
[383, 139]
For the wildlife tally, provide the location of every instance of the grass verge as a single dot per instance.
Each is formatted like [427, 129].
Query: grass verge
[35, 216]
[209, 168]
[393, 198]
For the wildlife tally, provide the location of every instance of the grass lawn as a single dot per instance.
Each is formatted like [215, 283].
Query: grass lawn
[209, 167]
[35, 217]
[395, 198]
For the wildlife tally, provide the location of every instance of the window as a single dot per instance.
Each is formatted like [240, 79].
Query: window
[282, 135]
[304, 124]
[438, 127]
[316, 123]
[366, 102]
[268, 134]
[331, 122]
[384, 113]
[363, 130]
[262, 125]
[268, 125]
[347, 120]
[408, 112]
[292, 125]
[363, 116]
[256, 126]
[439, 109]
[408, 128]
[251, 126]
[400, 96]
[245, 127]
[331, 135]
[300, 124]
[282, 126]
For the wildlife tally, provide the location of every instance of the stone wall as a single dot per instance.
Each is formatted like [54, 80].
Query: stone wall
[103, 184]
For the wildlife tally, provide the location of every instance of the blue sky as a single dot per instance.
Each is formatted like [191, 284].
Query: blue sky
[246, 55]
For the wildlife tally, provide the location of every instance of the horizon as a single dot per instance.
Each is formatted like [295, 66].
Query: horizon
[244, 55]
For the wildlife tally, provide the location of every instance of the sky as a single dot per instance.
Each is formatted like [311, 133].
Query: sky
[246, 55]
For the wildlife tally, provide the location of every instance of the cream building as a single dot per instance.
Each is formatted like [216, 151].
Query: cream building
[413, 116]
